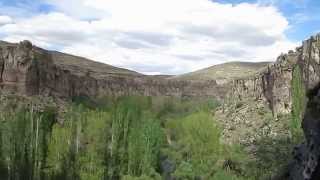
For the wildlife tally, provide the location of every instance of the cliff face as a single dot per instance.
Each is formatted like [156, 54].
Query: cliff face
[273, 86]
[306, 164]
[274, 83]
[28, 70]
[18, 70]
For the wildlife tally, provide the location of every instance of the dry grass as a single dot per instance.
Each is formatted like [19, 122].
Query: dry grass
[225, 71]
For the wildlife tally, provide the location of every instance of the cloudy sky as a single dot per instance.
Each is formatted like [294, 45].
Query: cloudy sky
[162, 36]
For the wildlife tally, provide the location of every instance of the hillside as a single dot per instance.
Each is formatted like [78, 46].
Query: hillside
[242, 122]
[29, 70]
[80, 64]
[226, 71]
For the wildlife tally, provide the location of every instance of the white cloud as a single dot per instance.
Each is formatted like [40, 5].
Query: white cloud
[167, 36]
[5, 20]
[77, 9]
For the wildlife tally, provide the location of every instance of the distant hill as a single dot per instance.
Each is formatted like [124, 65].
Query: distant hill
[78, 64]
[29, 70]
[226, 71]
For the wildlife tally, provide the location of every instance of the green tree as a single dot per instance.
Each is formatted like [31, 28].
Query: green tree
[136, 139]
[197, 140]
[298, 103]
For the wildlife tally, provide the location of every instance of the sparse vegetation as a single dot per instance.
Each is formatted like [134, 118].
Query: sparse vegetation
[226, 71]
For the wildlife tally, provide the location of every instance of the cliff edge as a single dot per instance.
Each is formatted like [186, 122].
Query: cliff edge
[28, 70]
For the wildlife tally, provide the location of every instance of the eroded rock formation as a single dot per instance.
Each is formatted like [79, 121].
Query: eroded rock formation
[28, 70]
[273, 84]
[17, 68]
[305, 165]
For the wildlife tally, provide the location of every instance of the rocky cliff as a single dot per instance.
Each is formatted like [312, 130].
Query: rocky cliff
[272, 84]
[29, 70]
[273, 87]
[306, 164]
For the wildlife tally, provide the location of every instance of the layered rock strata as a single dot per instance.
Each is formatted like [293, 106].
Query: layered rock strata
[28, 70]
[273, 84]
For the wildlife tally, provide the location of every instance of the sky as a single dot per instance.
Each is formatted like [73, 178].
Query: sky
[162, 36]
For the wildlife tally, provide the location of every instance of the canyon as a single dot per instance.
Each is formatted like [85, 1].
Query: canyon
[31, 71]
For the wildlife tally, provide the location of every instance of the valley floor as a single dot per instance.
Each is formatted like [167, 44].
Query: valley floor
[139, 138]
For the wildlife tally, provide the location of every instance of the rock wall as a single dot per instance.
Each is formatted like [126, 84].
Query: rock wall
[18, 69]
[306, 164]
[273, 84]
[28, 70]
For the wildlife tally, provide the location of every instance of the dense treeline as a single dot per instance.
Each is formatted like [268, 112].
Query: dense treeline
[24, 143]
[129, 138]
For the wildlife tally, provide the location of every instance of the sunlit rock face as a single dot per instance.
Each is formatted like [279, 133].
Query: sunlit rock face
[273, 84]
[18, 68]
[307, 155]
[306, 165]
[28, 70]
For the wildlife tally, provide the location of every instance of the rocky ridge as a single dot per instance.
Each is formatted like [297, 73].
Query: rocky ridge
[28, 70]
[272, 87]
[273, 84]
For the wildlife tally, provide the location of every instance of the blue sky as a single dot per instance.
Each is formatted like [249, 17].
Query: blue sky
[162, 37]
[303, 15]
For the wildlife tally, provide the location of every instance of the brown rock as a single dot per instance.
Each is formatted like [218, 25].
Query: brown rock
[29, 70]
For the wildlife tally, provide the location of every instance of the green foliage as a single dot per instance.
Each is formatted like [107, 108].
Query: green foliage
[127, 138]
[136, 139]
[224, 175]
[77, 148]
[298, 104]
[169, 108]
[196, 147]
[24, 143]
[144, 147]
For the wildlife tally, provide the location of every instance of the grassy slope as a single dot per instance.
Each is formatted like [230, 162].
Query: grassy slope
[82, 66]
[79, 64]
[224, 71]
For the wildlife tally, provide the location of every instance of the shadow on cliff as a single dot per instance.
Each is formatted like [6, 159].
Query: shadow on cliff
[304, 163]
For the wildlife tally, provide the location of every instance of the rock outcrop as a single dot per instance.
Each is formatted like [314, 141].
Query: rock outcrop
[29, 70]
[306, 164]
[18, 69]
[273, 86]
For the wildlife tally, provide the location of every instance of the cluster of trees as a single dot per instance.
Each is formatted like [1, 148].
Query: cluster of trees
[136, 139]
[91, 143]
[127, 138]
[24, 136]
